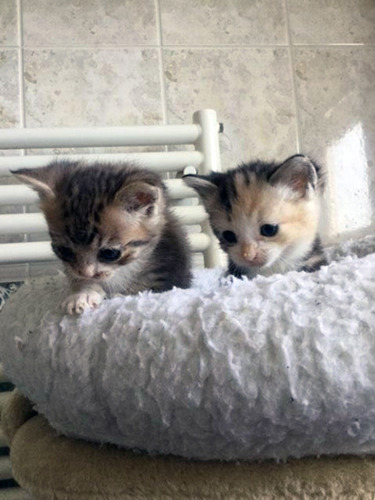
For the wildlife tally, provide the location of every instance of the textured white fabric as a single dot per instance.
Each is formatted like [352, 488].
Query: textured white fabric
[230, 369]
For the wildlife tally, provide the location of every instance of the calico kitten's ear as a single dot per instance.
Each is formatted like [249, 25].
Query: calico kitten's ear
[298, 173]
[140, 197]
[202, 184]
[41, 180]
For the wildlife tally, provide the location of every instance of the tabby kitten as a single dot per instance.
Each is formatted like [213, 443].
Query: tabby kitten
[265, 215]
[112, 228]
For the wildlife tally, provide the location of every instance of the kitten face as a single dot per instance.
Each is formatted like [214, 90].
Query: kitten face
[263, 215]
[101, 218]
[116, 239]
[265, 225]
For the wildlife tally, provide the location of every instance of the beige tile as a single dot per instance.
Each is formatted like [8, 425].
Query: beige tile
[9, 104]
[218, 22]
[8, 22]
[336, 95]
[249, 88]
[89, 22]
[333, 21]
[93, 87]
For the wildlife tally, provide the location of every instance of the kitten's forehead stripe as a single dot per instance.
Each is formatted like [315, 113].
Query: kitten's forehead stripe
[249, 197]
[227, 189]
[246, 175]
[224, 198]
[80, 236]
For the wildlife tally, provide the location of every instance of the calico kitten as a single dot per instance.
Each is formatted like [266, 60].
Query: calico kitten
[112, 228]
[265, 215]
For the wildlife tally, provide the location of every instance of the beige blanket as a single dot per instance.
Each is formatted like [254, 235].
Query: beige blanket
[57, 468]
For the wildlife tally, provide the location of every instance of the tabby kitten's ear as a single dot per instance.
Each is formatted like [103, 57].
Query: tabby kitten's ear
[139, 197]
[202, 184]
[298, 173]
[42, 180]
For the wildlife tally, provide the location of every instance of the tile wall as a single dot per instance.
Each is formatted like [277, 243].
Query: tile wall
[285, 76]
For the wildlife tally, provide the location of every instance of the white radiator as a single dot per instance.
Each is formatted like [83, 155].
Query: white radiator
[22, 238]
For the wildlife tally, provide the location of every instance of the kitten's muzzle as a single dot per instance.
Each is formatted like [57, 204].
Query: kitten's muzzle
[91, 273]
[251, 254]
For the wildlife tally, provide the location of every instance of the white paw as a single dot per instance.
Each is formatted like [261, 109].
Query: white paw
[79, 302]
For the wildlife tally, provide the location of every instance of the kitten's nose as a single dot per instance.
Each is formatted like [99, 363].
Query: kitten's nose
[88, 271]
[249, 251]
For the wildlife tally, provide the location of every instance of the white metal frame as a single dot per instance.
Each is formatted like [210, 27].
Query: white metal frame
[202, 134]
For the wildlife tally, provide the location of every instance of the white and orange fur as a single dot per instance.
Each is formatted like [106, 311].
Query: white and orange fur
[244, 200]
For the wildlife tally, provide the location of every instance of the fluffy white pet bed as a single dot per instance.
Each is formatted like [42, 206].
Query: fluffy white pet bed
[271, 368]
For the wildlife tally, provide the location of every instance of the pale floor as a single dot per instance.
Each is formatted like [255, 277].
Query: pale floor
[285, 76]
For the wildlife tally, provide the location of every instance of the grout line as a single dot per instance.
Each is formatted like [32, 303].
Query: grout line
[270, 45]
[8, 47]
[299, 142]
[334, 44]
[88, 47]
[21, 97]
[182, 47]
[163, 89]
[151, 46]
[161, 63]
[226, 46]
[21, 65]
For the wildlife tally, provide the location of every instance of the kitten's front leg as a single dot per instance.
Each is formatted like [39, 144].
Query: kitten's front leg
[87, 296]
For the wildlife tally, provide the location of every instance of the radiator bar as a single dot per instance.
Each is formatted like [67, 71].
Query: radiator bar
[167, 161]
[11, 253]
[73, 137]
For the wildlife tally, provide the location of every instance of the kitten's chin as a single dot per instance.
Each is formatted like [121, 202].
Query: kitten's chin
[252, 264]
[100, 277]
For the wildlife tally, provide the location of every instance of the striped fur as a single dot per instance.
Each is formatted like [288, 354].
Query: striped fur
[247, 202]
[120, 210]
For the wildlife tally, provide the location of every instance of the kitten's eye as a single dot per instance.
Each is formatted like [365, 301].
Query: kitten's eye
[230, 237]
[64, 253]
[109, 254]
[269, 230]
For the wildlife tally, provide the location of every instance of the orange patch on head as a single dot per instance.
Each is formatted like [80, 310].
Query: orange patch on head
[298, 220]
[249, 196]
[262, 203]
[117, 225]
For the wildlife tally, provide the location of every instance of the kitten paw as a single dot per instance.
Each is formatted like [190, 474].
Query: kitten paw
[77, 303]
